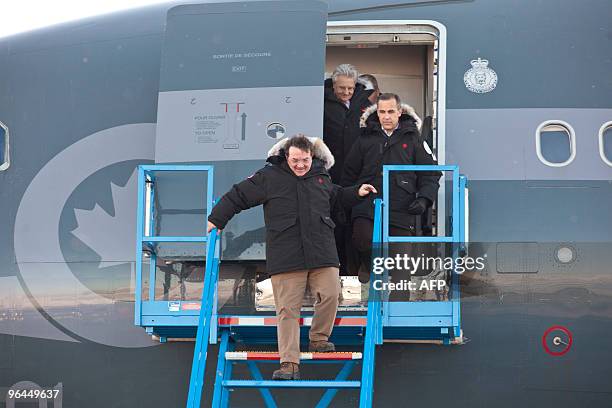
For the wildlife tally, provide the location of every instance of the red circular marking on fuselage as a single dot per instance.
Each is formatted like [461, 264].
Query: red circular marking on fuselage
[569, 341]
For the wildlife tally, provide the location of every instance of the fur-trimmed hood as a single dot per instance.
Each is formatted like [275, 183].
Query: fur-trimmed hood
[320, 151]
[406, 110]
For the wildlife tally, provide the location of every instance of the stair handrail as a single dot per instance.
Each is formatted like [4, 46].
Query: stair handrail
[198, 365]
[373, 335]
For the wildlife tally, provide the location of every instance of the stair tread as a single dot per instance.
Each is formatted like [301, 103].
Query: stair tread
[274, 355]
[271, 321]
[290, 384]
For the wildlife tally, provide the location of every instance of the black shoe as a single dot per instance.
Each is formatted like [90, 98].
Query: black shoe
[321, 346]
[364, 276]
[287, 371]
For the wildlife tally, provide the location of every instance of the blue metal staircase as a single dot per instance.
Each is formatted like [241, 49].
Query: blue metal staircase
[350, 329]
[403, 321]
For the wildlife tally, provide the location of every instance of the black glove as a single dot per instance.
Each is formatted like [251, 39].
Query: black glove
[418, 206]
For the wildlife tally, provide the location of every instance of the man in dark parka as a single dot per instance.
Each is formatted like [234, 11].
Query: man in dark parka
[390, 136]
[299, 200]
[345, 98]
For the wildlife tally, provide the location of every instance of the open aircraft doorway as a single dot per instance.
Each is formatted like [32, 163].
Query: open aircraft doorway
[407, 57]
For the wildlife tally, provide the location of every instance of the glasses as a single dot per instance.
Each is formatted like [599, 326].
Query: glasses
[302, 161]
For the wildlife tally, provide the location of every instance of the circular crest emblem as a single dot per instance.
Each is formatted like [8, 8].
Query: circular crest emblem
[480, 78]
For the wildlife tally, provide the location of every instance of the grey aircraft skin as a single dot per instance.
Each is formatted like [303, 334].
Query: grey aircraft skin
[80, 101]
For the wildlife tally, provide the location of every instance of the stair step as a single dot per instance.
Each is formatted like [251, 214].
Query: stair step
[290, 384]
[350, 321]
[274, 355]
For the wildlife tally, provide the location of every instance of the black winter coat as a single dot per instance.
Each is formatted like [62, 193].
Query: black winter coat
[341, 124]
[297, 213]
[374, 149]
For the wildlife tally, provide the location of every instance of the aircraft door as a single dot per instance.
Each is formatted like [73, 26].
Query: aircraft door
[236, 77]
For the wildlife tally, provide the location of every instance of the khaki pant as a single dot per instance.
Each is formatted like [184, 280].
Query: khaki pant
[289, 288]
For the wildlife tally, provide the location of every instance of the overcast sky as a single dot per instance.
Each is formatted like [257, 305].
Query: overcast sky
[24, 15]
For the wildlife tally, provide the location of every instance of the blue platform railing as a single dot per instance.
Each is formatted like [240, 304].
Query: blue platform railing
[406, 317]
[149, 312]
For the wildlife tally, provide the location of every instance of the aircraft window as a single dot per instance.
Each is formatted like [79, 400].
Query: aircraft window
[4, 147]
[555, 143]
[605, 143]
